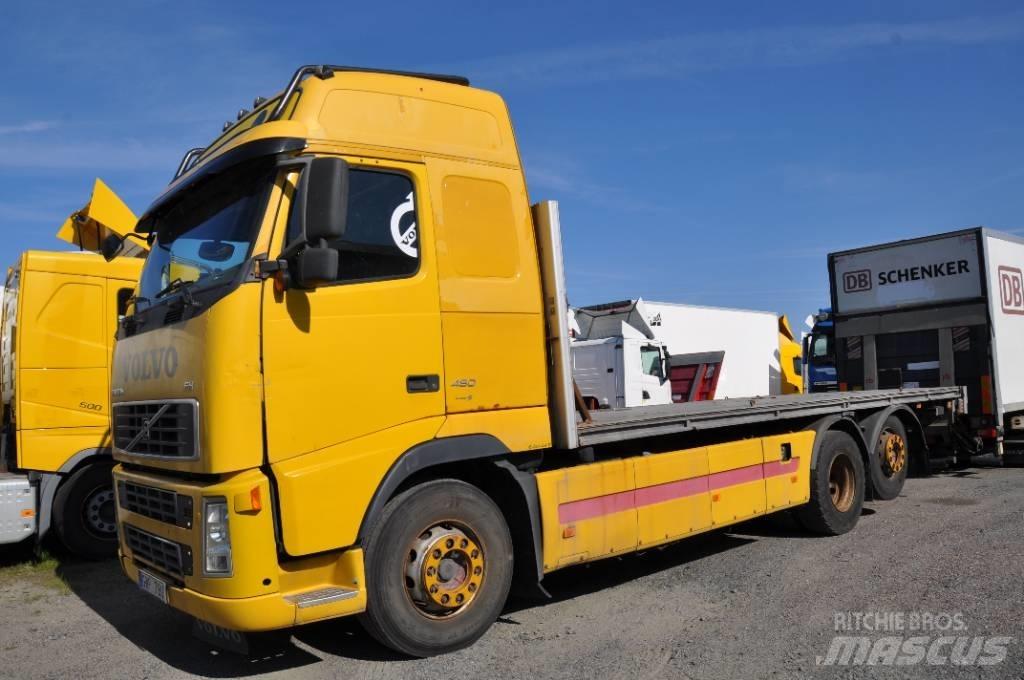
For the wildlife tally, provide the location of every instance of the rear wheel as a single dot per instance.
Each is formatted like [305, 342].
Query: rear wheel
[439, 568]
[84, 512]
[837, 487]
[890, 461]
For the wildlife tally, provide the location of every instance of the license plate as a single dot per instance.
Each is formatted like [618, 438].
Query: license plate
[153, 585]
[218, 636]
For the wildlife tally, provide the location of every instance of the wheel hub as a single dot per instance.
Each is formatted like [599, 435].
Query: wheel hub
[894, 453]
[841, 483]
[445, 570]
[99, 512]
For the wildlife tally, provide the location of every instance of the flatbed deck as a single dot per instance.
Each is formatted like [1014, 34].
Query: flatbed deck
[615, 425]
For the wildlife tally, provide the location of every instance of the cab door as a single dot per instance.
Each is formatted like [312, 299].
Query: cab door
[361, 356]
[653, 377]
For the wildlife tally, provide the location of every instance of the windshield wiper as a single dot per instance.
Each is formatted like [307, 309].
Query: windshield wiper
[181, 286]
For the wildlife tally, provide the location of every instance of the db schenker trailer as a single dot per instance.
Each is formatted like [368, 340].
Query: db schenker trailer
[315, 422]
[938, 311]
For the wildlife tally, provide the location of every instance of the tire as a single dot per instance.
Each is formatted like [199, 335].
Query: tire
[84, 512]
[401, 547]
[890, 460]
[839, 455]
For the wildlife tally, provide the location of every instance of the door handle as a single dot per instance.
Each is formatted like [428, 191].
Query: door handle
[422, 383]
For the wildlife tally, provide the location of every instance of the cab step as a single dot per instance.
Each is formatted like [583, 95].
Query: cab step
[315, 598]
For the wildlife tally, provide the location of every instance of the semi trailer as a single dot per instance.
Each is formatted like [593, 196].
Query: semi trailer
[941, 310]
[316, 423]
[58, 319]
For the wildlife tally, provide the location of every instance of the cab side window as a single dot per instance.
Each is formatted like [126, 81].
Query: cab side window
[124, 295]
[650, 360]
[381, 239]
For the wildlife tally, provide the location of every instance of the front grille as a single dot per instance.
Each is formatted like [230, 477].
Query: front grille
[157, 428]
[173, 559]
[159, 504]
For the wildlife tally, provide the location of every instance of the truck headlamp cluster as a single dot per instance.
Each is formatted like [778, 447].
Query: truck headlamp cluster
[217, 539]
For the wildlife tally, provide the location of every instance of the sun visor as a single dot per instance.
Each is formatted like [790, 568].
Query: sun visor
[104, 214]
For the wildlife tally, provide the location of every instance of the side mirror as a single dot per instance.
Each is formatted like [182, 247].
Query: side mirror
[323, 209]
[111, 247]
[314, 267]
[325, 199]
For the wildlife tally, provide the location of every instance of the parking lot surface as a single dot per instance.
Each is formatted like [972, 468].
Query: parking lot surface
[761, 600]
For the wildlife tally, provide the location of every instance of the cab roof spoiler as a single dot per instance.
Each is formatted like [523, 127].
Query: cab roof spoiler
[322, 71]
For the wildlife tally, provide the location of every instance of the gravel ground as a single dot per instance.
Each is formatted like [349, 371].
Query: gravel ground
[757, 601]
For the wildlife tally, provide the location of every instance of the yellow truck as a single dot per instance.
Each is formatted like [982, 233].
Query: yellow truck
[790, 358]
[359, 401]
[59, 316]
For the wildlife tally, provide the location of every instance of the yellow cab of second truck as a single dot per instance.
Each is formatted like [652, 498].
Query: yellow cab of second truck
[68, 310]
[325, 390]
[60, 316]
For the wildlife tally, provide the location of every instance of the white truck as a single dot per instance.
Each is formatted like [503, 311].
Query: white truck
[616, 362]
[938, 311]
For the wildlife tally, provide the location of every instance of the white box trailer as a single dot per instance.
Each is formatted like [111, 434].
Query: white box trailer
[938, 311]
[750, 340]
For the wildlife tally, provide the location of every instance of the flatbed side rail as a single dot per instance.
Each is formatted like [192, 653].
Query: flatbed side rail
[623, 424]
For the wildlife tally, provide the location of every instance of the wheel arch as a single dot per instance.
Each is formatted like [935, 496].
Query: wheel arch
[51, 481]
[485, 462]
[841, 423]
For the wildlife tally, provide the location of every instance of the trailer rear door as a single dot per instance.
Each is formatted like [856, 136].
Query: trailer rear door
[1005, 258]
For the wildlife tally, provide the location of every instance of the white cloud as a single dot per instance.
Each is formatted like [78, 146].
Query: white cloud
[30, 126]
[94, 155]
[754, 48]
[563, 177]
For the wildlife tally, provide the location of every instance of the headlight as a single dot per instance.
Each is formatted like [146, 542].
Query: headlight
[217, 541]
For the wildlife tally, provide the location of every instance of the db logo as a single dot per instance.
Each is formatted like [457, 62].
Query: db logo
[1011, 290]
[855, 282]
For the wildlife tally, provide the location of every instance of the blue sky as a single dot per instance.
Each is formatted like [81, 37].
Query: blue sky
[709, 153]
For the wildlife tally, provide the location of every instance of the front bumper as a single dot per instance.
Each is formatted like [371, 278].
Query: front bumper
[262, 592]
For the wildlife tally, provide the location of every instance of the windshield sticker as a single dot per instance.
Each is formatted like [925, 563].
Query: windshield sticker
[405, 240]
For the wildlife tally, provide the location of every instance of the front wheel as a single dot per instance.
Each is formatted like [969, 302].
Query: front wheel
[438, 569]
[84, 512]
[837, 487]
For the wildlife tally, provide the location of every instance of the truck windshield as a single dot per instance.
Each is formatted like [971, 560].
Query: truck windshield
[205, 238]
[821, 347]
